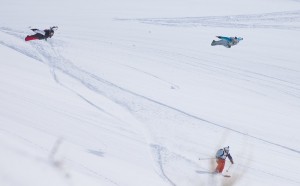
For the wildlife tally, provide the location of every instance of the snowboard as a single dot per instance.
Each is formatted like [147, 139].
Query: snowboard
[29, 38]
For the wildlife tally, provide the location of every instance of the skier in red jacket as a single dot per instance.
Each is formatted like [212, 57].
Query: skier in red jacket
[221, 156]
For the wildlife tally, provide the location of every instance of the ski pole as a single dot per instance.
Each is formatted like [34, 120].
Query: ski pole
[228, 168]
[206, 158]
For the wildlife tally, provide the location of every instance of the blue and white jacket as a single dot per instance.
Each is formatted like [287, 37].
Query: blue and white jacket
[222, 154]
[231, 40]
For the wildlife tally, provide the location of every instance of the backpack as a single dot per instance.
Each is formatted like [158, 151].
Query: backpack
[220, 153]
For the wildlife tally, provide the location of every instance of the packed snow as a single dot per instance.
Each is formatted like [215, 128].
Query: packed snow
[131, 93]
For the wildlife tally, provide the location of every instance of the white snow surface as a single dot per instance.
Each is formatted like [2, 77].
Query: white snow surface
[130, 93]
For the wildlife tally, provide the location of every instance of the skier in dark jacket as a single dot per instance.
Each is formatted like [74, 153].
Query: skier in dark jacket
[41, 34]
[221, 156]
[227, 41]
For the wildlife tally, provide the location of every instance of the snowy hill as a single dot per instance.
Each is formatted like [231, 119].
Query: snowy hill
[130, 93]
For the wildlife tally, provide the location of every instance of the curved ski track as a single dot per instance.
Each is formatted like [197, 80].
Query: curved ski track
[111, 90]
[140, 106]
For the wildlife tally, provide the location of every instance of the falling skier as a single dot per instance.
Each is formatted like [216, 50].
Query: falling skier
[221, 156]
[41, 34]
[226, 41]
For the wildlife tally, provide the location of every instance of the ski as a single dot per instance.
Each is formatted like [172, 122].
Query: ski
[213, 173]
[226, 176]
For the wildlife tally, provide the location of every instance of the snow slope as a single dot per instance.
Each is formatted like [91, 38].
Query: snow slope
[131, 93]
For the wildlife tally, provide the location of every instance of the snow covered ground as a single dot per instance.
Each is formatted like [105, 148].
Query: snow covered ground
[131, 93]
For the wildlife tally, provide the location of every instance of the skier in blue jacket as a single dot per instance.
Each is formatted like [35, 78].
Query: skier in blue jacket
[227, 41]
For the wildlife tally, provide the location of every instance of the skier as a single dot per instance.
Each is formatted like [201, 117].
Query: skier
[221, 156]
[226, 41]
[41, 34]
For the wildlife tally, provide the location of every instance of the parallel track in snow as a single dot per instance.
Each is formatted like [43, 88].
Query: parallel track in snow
[288, 20]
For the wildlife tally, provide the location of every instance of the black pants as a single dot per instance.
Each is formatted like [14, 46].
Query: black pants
[39, 36]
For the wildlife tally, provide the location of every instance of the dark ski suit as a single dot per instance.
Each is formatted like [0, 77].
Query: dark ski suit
[40, 34]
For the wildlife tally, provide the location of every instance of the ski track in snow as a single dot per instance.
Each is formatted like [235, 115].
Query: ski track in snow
[134, 102]
[285, 86]
[95, 83]
[158, 151]
[276, 20]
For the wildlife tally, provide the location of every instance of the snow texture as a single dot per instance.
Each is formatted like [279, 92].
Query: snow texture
[130, 93]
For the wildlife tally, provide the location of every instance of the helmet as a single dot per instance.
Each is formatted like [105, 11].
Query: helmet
[235, 37]
[51, 32]
[226, 149]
